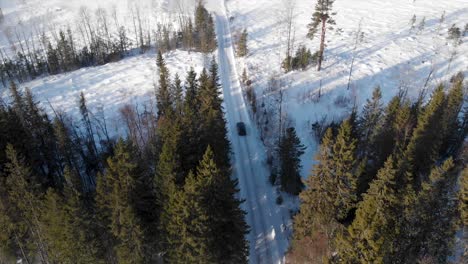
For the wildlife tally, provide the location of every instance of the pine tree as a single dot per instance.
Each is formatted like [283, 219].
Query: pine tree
[368, 239]
[226, 218]
[205, 36]
[345, 162]
[165, 189]
[322, 17]
[386, 133]
[451, 126]
[178, 95]
[464, 197]
[66, 226]
[426, 140]
[290, 151]
[371, 117]
[315, 225]
[317, 199]
[242, 44]
[24, 203]
[92, 163]
[115, 193]
[124, 42]
[463, 206]
[212, 124]
[52, 60]
[164, 97]
[188, 230]
[435, 214]
[190, 151]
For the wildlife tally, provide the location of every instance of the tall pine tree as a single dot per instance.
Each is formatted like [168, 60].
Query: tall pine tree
[322, 17]
[290, 151]
[115, 193]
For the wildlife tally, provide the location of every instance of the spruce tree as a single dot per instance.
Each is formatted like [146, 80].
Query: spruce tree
[315, 225]
[369, 238]
[212, 124]
[425, 143]
[190, 151]
[114, 199]
[205, 36]
[178, 95]
[464, 197]
[67, 228]
[290, 151]
[435, 214]
[188, 229]
[451, 126]
[164, 97]
[370, 119]
[226, 218]
[322, 17]
[52, 60]
[24, 202]
[91, 161]
[165, 189]
[386, 133]
[317, 199]
[346, 179]
[463, 206]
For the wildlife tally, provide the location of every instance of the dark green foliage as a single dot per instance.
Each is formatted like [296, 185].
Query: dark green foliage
[463, 197]
[144, 208]
[454, 33]
[188, 230]
[213, 124]
[22, 202]
[164, 97]
[434, 214]
[322, 17]
[198, 228]
[67, 226]
[317, 207]
[204, 30]
[406, 207]
[116, 193]
[370, 119]
[290, 152]
[426, 140]
[369, 238]
[301, 60]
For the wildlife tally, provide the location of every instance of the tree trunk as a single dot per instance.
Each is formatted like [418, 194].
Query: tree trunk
[322, 44]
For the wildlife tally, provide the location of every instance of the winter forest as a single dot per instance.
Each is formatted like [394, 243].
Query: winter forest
[233, 131]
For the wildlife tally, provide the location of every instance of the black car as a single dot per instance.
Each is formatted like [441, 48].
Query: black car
[241, 129]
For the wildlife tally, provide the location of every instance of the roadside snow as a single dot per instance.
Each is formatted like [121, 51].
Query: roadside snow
[390, 56]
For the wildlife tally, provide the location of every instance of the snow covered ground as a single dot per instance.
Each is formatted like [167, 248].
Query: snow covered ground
[30, 18]
[109, 87]
[390, 55]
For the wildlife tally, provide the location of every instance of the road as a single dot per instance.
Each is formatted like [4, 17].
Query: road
[268, 241]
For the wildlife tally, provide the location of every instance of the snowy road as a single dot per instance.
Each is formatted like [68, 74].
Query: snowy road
[268, 242]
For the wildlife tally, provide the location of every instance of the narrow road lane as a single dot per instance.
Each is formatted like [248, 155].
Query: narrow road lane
[267, 240]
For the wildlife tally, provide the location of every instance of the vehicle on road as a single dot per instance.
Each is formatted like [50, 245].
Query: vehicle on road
[241, 129]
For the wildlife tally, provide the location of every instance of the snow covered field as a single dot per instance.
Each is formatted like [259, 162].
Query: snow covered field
[111, 86]
[391, 55]
[30, 18]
